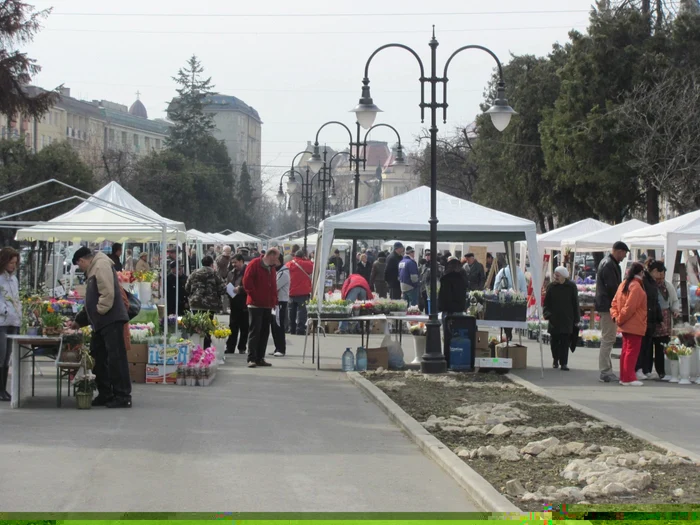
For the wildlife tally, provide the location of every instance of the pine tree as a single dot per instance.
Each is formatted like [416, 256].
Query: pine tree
[18, 25]
[193, 127]
[247, 198]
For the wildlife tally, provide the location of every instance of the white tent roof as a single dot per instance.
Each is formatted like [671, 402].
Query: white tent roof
[683, 232]
[95, 220]
[602, 240]
[245, 237]
[312, 240]
[196, 235]
[554, 239]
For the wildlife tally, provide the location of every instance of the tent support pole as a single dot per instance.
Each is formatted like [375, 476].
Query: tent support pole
[163, 264]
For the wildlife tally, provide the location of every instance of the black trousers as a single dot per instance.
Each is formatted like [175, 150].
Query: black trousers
[111, 367]
[645, 358]
[259, 333]
[560, 348]
[238, 322]
[278, 331]
[395, 292]
[658, 344]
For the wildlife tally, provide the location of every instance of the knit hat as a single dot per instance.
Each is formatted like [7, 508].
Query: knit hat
[562, 271]
[80, 253]
[397, 245]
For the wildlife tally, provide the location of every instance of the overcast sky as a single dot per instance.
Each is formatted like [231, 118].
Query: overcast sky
[299, 64]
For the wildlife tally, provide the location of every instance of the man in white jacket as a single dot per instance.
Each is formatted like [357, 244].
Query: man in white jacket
[279, 320]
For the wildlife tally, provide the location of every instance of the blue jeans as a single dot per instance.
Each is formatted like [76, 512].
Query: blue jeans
[356, 294]
[411, 297]
[297, 314]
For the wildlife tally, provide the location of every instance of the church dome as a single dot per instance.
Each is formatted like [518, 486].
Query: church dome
[137, 109]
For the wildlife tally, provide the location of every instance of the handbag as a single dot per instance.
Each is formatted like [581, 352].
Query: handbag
[134, 305]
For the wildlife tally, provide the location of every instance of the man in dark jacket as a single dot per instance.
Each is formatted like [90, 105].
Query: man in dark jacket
[392, 271]
[238, 317]
[561, 309]
[106, 312]
[116, 256]
[177, 295]
[476, 276]
[607, 281]
[337, 262]
[452, 297]
[425, 280]
[377, 279]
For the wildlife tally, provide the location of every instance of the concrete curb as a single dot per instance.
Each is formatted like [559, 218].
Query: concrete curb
[641, 434]
[477, 487]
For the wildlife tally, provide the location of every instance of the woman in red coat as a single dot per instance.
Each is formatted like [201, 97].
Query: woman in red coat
[629, 311]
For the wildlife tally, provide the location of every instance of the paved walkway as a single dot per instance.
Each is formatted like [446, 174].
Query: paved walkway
[667, 411]
[287, 438]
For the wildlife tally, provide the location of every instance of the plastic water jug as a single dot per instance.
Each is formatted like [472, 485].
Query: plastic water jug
[348, 361]
[460, 350]
[361, 359]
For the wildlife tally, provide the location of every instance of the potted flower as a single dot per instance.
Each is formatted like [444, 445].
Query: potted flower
[418, 331]
[51, 322]
[671, 352]
[145, 282]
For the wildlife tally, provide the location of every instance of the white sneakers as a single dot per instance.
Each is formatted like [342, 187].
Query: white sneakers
[632, 383]
[278, 354]
[641, 376]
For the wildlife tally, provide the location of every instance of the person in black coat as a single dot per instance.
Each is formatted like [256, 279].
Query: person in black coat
[654, 317]
[392, 271]
[452, 297]
[364, 268]
[177, 295]
[561, 309]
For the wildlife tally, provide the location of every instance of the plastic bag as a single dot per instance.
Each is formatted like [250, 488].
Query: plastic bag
[396, 361]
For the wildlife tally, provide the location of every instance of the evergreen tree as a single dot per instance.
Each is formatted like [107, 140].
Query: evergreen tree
[192, 128]
[18, 25]
[248, 200]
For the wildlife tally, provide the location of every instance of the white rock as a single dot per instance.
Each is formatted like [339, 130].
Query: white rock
[649, 454]
[573, 424]
[464, 453]
[532, 496]
[509, 453]
[451, 428]
[678, 493]
[568, 495]
[680, 461]
[487, 452]
[611, 450]
[500, 430]
[570, 475]
[528, 457]
[660, 460]
[614, 489]
[474, 430]
[536, 447]
[642, 462]
[575, 447]
[379, 370]
[515, 488]
[591, 491]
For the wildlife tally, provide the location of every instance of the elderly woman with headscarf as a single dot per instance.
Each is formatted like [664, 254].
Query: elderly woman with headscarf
[561, 309]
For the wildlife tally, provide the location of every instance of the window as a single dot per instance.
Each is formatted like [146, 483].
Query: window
[111, 135]
[124, 137]
[157, 143]
[147, 142]
[136, 140]
[43, 141]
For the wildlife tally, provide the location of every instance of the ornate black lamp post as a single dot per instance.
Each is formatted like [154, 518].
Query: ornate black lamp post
[319, 163]
[501, 113]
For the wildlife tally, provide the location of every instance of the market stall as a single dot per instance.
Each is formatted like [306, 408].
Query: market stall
[408, 214]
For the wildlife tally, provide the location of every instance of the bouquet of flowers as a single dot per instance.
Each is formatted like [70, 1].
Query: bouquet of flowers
[126, 277]
[196, 323]
[417, 329]
[222, 333]
[362, 308]
[201, 368]
[685, 334]
[672, 349]
[140, 333]
[145, 277]
[413, 310]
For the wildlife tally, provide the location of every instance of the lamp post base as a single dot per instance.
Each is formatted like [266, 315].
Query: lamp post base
[433, 361]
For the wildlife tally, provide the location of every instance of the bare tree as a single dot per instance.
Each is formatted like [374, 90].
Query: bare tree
[664, 120]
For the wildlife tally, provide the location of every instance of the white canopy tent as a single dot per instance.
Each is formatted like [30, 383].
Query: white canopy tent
[94, 220]
[197, 236]
[602, 240]
[680, 233]
[245, 237]
[312, 242]
[459, 221]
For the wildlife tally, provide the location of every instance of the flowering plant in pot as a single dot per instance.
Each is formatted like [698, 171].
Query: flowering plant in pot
[85, 384]
[52, 322]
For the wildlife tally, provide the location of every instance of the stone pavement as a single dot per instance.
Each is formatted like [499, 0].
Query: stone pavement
[286, 438]
[669, 412]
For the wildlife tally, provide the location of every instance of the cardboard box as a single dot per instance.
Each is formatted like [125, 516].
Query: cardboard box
[516, 353]
[138, 353]
[378, 327]
[482, 340]
[482, 352]
[154, 374]
[137, 372]
[493, 362]
[331, 327]
[174, 355]
[377, 357]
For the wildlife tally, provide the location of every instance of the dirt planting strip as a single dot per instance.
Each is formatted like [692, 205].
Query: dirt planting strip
[536, 451]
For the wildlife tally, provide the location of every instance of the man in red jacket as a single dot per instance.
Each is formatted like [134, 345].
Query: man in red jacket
[355, 288]
[300, 273]
[260, 284]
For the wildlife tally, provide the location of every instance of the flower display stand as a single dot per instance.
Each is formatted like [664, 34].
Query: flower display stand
[419, 346]
[675, 370]
[84, 400]
[144, 292]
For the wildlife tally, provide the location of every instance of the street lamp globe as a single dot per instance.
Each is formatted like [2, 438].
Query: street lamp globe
[292, 184]
[399, 164]
[315, 163]
[366, 111]
[501, 112]
[280, 195]
[333, 199]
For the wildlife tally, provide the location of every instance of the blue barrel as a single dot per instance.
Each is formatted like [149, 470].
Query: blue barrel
[461, 350]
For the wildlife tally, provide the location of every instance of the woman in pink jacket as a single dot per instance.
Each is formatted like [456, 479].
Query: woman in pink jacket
[629, 311]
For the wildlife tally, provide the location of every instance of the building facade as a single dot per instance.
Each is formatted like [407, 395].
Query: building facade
[239, 126]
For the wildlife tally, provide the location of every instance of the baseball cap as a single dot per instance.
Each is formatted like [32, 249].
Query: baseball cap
[409, 249]
[397, 245]
[619, 245]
